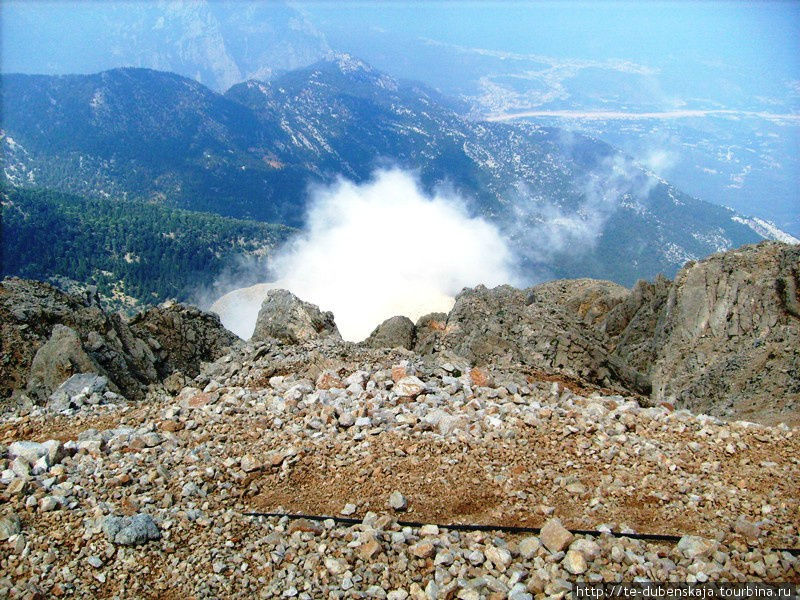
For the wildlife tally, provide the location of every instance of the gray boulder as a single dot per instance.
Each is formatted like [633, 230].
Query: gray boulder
[396, 332]
[283, 316]
[89, 385]
[59, 359]
[46, 336]
[131, 531]
[182, 337]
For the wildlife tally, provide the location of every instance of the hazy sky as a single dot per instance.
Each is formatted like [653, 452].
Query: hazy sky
[754, 45]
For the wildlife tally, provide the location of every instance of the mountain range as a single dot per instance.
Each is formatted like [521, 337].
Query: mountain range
[216, 43]
[570, 205]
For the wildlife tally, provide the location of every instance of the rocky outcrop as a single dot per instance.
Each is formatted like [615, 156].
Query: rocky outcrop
[506, 326]
[723, 338]
[48, 336]
[61, 357]
[728, 338]
[283, 316]
[395, 332]
[186, 337]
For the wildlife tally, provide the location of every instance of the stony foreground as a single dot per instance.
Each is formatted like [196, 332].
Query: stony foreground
[383, 436]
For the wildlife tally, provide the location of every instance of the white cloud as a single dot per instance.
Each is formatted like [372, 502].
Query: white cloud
[383, 248]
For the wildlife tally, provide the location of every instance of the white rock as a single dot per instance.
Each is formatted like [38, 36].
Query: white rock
[410, 386]
[334, 566]
[397, 501]
[574, 562]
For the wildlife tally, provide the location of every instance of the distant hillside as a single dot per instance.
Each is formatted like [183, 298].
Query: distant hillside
[571, 206]
[131, 250]
[215, 43]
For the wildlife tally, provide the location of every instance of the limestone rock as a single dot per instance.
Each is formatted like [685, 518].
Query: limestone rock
[396, 332]
[693, 547]
[574, 562]
[409, 387]
[9, 525]
[397, 501]
[285, 317]
[554, 536]
[130, 531]
[59, 359]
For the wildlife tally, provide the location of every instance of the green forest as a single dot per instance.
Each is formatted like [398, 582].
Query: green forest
[146, 251]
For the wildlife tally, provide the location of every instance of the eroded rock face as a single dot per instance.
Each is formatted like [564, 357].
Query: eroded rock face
[506, 325]
[61, 357]
[49, 336]
[728, 337]
[396, 332]
[723, 338]
[283, 316]
[186, 337]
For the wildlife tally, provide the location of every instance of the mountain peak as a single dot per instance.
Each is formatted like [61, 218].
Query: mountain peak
[347, 63]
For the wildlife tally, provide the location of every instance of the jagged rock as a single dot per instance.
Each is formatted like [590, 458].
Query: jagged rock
[28, 451]
[397, 501]
[285, 317]
[574, 562]
[59, 359]
[429, 330]
[396, 332]
[130, 531]
[87, 384]
[506, 325]
[728, 341]
[723, 338]
[9, 525]
[693, 547]
[409, 386]
[48, 336]
[554, 536]
[184, 336]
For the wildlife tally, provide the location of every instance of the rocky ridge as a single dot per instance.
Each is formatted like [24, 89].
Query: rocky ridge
[722, 338]
[48, 336]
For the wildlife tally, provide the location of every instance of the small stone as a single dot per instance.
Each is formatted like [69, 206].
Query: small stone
[480, 377]
[171, 426]
[48, 503]
[589, 549]
[398, 373]
[305, 525]
[397, 501]
[95, 562]
[554, 536]
[29, 451]
[429, 530]
[369, 549]
[334, 566]
[528, 547]
[218, 566]
[329, 380]
[422, 549]
[744, 527]
[574, 562]
[500, 557]
[190, 490]
[10, 525]
[17, 487]
[692, 546]
[409, 387]
[130, 531]
[249, 463]
[348, 509]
